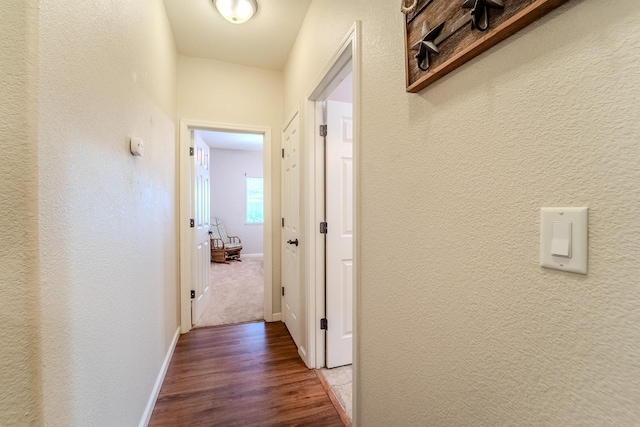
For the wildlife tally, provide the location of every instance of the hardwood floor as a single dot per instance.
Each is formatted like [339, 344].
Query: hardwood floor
[241, 375]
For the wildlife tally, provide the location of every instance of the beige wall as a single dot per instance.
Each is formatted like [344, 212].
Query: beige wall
[220, 92]
[19, 351]
[107, 220]
[229, 172]
[458, 323]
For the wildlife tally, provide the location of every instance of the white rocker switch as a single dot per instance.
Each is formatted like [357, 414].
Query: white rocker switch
[561, 239]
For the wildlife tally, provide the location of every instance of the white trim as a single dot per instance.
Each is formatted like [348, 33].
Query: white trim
[148, 411]
[243, 256]
[356, 63]
[350, 50]
[314, 203]
[184, 229]
[186, 126]
[277, 317]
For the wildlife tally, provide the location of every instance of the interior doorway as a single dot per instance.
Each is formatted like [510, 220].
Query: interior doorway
[338, 177]
[237, 222]
[189, 271]
[340, 81]
[335, 311]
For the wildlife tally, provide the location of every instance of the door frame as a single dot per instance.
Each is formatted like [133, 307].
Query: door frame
[350, 49]
[186, 126]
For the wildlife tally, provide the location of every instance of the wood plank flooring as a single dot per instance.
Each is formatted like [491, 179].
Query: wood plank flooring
[241, 375]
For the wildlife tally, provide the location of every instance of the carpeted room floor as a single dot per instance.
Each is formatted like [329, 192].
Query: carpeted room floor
[237, 293]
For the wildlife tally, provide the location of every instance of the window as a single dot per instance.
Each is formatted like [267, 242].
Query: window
[255, 201]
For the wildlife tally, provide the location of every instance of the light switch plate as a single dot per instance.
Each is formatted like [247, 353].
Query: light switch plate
[578, 217]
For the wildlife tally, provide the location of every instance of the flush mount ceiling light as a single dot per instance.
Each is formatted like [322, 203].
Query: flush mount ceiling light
[236, 11]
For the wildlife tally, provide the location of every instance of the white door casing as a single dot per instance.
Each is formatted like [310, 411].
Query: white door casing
[201, 258]
[339, 241]
[187, 236]
[291, 254]
[349, 51]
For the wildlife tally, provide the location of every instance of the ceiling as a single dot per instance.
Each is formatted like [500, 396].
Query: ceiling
[232, 140]
[265, 41]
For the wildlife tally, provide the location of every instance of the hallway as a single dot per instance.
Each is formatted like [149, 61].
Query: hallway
[248, 374]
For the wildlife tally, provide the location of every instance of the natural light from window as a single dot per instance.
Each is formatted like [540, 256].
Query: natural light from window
[255, 201]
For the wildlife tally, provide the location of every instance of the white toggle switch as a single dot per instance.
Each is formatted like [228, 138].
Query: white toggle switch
[563, 239]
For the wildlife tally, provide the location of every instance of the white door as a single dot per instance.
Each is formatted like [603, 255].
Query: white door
[339, 253]
[201, 213]
[290, 237]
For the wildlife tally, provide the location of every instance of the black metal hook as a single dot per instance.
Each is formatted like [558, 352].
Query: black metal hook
[477, 13]
[480, 12]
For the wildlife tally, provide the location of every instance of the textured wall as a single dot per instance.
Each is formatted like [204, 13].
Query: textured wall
[107, 220]
[458, 323]
[221, 92]
[19, 355]
[229, 197]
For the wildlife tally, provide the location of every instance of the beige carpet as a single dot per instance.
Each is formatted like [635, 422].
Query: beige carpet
[237, 293]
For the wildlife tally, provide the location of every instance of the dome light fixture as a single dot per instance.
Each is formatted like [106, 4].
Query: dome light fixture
[236, 11]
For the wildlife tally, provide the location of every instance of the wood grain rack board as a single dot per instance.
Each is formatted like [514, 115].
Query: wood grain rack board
[466, 43]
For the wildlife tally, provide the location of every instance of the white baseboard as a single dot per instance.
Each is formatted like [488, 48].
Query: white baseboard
[303, 355]
[276, 317]
[146, 417]
[251, 256]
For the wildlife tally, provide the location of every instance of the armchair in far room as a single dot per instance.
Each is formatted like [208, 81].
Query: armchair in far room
[223, 247]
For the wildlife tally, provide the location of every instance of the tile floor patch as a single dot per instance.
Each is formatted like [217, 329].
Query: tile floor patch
[341, 382]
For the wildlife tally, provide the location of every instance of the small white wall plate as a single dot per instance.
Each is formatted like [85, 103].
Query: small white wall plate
[577, 262]
[136, 146]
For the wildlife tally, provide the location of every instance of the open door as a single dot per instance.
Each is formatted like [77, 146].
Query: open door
[339, 242]
[201, 215]
[291, 301]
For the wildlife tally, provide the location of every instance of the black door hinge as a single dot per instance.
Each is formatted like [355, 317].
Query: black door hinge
[283, 222]
[283, 153]
[323, 324]
[323, 228]
[283, 291]
[191, 151]
[193, 294]
[323, 130]
[192, 223]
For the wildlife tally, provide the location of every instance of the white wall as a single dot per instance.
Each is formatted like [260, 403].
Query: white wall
[458, 323]
[221, 92]
[107, 221]
[229, 170]
[19, 349]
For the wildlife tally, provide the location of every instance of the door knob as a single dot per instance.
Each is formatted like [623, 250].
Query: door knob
[293, 242]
